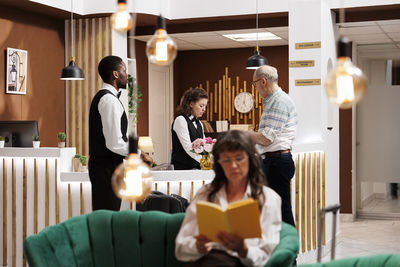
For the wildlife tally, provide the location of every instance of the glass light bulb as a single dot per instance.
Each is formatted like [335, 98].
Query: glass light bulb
[161, 49]
[133, 180]
[121, 20]
[346, 84]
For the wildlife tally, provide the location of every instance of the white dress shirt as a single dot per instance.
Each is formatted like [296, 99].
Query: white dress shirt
[111, 110]
[182, 131]
[259, 249]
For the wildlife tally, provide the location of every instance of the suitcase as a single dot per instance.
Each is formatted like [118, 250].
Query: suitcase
[334, 209]
[162, 202]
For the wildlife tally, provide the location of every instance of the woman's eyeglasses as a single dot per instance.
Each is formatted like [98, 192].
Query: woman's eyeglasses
[236, 160]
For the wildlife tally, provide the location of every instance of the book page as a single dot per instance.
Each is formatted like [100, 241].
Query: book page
[244, 218]
[210, 219]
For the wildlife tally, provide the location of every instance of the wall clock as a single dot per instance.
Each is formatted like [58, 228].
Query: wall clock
[244, 102]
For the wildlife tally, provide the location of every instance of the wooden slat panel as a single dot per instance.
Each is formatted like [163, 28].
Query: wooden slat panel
[47, 189]
[70, 96]
[110, 31]
[323, 194]
[297, 199]
[167, 188]
[56, 193]
[191, 190]
[180, 188]
[84, 89]
[81, 198]
[96, 52]
[318, 188]
[103, 37]
[77, 95]
[14, 213]
[69, 201]
[314, 215]
[24, 208]
[5, 217]
[35, 198]
[303, 202]
[90, 72]
[308, 202]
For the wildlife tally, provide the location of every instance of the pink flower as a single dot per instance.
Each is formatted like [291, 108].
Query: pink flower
[202, 146]
[208, 147]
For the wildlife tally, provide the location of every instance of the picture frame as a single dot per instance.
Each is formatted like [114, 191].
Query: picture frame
[16, 71]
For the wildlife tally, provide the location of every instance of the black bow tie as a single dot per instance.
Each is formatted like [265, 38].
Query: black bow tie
[119, 94]
[194, 119]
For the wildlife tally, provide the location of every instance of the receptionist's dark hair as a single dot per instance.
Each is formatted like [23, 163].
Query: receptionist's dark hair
[191, 95]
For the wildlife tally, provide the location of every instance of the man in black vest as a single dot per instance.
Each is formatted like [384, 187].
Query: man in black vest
[108, 124]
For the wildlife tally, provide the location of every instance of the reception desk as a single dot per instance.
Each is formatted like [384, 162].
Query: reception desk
[39, 189]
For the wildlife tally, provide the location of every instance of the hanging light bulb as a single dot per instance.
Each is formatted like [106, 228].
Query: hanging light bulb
[161, 49]
[346, 84]
[133, 180]
[121, 20]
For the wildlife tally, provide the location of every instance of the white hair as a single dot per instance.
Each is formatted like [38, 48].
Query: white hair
[268, 72]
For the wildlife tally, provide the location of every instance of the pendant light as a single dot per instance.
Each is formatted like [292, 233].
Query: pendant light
[72, 72]
[345, 84]
[256, 60]
[121, 20]
[161, 49]
[133, 180]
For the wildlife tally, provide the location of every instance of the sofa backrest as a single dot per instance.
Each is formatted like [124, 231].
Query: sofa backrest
[109, 239]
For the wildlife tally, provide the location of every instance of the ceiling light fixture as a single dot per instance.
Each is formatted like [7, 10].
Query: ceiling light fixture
[256, 60]
[121, 20]
[72, 72]
[161, 49]
[345, 84]
[252, 36]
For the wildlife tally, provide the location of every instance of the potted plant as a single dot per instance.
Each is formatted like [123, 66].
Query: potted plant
[76, 163]
[35, 141]
[83, 160]
[1, 141]
[61, 139]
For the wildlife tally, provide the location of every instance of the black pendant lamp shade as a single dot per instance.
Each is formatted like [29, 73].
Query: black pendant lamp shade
[256, 60]
[72, 72]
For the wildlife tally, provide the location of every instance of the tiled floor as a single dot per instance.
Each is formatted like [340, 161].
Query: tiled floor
[365, 237]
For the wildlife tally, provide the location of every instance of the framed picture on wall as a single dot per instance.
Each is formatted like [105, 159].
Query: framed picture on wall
[16, 71]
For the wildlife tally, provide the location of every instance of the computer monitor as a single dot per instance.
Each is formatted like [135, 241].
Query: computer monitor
[18, 133]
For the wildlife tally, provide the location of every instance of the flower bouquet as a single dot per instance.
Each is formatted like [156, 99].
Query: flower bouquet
[204, 147]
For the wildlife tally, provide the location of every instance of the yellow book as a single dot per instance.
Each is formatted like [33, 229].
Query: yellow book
[241, 218]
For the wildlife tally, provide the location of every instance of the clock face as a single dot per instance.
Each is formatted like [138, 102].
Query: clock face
[244, 102]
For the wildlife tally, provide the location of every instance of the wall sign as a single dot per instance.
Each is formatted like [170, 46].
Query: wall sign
[16, 71]
[306, 82]
[301, 63]
[308, 45]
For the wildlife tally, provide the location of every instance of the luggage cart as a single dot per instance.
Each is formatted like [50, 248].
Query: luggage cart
[334, 209]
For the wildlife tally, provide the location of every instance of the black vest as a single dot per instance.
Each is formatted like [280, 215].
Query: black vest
[180, 159]
[97, 142]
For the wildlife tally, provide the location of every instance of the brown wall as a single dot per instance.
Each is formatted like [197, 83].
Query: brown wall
[43, 38]
[194, 67]
[142, 69]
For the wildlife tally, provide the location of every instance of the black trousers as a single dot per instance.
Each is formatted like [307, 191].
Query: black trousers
[279, 170]
[215, 258]
[100, 173]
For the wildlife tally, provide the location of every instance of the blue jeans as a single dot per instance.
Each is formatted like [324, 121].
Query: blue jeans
[279, 170]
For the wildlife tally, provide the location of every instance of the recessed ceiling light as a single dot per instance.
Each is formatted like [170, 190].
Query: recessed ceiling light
[245, 37]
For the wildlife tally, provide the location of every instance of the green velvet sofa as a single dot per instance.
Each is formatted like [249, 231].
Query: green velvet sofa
[125, 238]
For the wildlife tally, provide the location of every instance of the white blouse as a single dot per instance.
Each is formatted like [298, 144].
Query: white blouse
[259, 249]
[182, 131]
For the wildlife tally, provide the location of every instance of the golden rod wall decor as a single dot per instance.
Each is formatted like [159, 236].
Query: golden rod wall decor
[57, 204]
[24, 208]
[14, 213]
[308, 202]
[303, 203]
[46, 213]
[297, 200]
[81, 198]
[5, 217]
[35, 198]
[69, 201]
[323, 194]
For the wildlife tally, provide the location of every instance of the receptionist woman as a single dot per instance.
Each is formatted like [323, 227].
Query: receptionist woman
[186, 128]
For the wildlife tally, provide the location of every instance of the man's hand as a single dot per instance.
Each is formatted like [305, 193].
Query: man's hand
[259, 138]
[146, 159]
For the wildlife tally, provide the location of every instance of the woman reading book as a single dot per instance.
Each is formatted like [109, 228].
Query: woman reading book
[238, 176]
